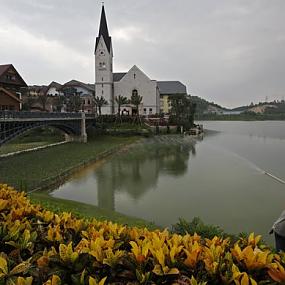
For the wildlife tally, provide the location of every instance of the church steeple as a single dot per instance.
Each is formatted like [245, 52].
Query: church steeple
[103, 31]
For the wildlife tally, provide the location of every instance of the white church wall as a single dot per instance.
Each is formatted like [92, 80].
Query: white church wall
[104, 75]
[136, 79]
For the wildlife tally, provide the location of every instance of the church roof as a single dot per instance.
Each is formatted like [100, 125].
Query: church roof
[171, 87]
[103, 31]
[118, 76]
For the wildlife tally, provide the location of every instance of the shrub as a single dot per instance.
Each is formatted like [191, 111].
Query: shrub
[40, 247]
[197, 226]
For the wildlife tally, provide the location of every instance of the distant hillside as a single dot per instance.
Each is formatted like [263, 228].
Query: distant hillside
[203, 106]
[274, 107]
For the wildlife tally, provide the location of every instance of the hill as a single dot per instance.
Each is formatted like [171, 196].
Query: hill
[205, 107]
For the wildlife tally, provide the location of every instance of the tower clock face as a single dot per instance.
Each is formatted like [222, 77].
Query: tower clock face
[101, 52]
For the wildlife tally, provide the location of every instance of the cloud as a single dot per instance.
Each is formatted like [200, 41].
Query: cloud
[230, 52]
[131, 34]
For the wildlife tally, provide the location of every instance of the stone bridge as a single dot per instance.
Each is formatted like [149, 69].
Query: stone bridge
[13, 124]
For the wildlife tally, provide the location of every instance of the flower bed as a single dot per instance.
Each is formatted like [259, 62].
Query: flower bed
[40, 247]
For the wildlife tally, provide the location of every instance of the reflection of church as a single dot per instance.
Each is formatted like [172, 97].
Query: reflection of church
[110, 85]
[136, 174]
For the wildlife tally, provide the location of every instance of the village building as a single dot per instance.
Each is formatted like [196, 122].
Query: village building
[11, 88]
[110, 85]
[84, 90]
[53, 89]
[168, 90]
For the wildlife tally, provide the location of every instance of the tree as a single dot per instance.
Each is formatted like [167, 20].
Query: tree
[183, 110]
[72, 98]
[58, 103]
[28, 103]
[136, 100]
[74, 103]
[99, 102]
[43, 99]
[121, 100]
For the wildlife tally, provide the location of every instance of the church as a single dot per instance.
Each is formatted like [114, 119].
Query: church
[110, 85]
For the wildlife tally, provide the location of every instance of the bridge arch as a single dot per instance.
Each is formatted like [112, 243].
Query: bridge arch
[12, 130]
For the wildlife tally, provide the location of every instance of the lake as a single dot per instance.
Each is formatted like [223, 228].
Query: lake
[219, 178]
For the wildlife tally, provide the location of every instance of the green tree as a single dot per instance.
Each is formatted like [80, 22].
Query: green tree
[121, 100]
[136, 100]
[72, 98]
[99, 102]
[182, 110]
[74, 103]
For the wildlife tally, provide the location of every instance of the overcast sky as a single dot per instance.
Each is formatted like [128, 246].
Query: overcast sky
[231, 52]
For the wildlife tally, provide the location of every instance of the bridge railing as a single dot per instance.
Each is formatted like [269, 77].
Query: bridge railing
[38, 115]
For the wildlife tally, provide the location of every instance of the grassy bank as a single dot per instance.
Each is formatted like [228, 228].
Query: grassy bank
[82, 210]
[32, 139]
[51, 166]
[32, 170]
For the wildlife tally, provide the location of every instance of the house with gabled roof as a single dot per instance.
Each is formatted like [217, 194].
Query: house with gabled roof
[111, 84]
[12, 86]
[84, 90]
[167, 90]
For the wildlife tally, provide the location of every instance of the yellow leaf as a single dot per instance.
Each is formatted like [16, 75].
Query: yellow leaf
[102, 281]
[157, 270]
[22, 267]
[253, 282]
[24, 281]
[92, 281]
[3, 204]
[3, 266]
[172, 271]
[244, 279]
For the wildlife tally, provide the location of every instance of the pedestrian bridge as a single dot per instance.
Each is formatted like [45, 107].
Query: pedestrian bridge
[13, 124]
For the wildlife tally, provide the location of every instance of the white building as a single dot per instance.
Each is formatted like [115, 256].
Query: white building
[135, 81]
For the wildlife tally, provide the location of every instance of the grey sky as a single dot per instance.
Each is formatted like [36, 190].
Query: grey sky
[228, 51]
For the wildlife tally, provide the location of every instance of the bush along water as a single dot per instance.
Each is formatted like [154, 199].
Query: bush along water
[40, 247]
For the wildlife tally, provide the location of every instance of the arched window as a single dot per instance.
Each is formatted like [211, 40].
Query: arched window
[135, 92]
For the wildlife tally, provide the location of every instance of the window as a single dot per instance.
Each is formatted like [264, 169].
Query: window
[102, 65]
[102, 91]
[134, 76]
[135, 92]
[89, 102]
[150, 111]
[144, 111]
[102, 79]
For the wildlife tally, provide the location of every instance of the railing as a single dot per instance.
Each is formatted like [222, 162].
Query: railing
[38, 115]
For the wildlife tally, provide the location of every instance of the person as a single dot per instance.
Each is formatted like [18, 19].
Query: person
[278, 229]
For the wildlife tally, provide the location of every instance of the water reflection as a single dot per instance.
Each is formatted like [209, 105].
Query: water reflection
[137, 172]
[220, 179]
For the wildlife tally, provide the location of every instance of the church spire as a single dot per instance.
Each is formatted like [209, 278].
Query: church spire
[103, 31]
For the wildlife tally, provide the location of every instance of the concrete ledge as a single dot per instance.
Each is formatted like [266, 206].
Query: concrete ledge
[31, 149]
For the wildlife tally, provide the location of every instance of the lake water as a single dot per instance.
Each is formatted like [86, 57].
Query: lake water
[219, 178]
